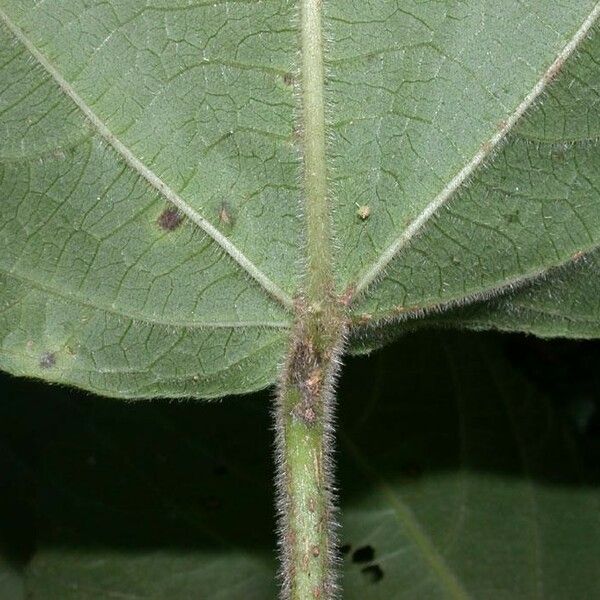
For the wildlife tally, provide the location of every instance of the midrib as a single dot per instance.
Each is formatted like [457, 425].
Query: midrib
[319, 265]
[319, 257]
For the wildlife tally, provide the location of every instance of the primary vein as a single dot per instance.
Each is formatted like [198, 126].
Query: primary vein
[318, 222]
[377, 269]
[144, 171]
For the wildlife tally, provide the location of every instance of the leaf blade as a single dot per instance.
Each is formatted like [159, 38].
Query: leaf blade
[539, 194]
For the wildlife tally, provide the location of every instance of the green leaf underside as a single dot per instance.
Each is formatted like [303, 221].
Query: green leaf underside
[533, 206]
[489, 500]
[560, 302]
[109, 112]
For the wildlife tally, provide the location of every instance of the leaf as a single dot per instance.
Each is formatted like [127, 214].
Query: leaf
[106, 284]
[564, 303]
[11, 583]
[533, 207]
[481, 489]
[149, 174]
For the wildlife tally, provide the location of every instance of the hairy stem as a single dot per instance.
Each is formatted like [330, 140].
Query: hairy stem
[305, 439]
[305, 401]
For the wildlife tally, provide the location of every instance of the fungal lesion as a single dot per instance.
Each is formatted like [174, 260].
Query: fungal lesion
[169, 219]
[225, 214]
[47, 360]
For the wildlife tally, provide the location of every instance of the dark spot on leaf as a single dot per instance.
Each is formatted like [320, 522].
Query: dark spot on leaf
[169, 219]
[363, 554]
[345, 549]
[288, 79]
[47, 360]
[373, 572]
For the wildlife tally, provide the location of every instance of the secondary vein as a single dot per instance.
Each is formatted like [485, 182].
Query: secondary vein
[510, 284]
[139, 317]
[144, 171]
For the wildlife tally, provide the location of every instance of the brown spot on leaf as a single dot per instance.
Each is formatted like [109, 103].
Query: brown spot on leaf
[363, 318]
[346, 297]
[225, 214]
[313, 383]
[169, 219]
[363, 212]
[308, 415]
[288, 79]
[502, 125]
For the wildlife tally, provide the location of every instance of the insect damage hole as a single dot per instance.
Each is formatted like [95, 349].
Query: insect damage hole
[363, 554]
[373, 572]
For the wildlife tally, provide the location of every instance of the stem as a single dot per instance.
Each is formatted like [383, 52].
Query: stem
[304, 455]
[305, 400]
